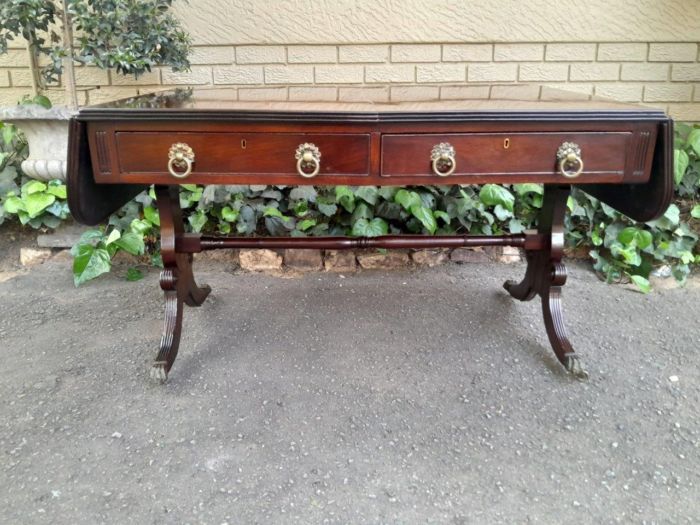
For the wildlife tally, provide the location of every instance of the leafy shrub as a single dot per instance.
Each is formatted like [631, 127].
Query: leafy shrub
[621, 249]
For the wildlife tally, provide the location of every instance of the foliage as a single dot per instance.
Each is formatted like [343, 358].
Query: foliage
[131, 36]
[625, 250]
[622, 249]
[92, 254]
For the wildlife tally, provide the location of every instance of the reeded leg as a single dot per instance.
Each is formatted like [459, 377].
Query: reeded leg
[545, 276]
[176, 280]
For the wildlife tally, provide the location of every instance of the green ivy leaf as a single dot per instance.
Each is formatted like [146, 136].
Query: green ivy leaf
[642, 283]
[33, 186]
[228, 214]
[493, 194]
[35, 203]
[501, 213]
[368, 194]
[59, 191]
[426, 217]
[113, 236]
[274, 212]
[680, 163]
[327, 208]
[198, 220]
[42, 101]
[438, 214]
[693, 140]
[306, 224]
[345, 197]
[140, 226]
[13, 204]
[407, 199]
[373, 228]
[695, 212]
[635, 237]
[90, 262]
[134, 274]
[529, 187]
[151, 215]
[132, 243]
[8, 134]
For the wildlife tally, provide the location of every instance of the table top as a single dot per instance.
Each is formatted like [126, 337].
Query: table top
[215, 103]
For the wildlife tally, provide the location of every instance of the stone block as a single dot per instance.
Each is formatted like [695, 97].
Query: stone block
[260, 260]
[340, 261]
[510, 255]
[430, 257]
[303, 260]
[469, 255]
[33, 256]
[373, 260]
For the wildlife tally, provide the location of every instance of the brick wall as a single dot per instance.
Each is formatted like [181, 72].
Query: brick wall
[665, 75]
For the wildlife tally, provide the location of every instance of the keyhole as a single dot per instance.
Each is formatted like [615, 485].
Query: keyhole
[506, 144]
[244, 144]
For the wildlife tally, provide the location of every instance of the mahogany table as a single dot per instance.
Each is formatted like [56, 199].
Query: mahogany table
[621, 154]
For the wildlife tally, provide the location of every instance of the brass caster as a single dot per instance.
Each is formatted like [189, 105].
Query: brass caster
[158, 373]
[575, 367]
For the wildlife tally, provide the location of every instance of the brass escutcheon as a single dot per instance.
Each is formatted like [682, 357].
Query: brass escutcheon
[180, 156]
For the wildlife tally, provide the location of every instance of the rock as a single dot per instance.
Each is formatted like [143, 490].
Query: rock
[469, 255]
[340, 261]
[375, 260]
[225, 259]
[303, 260]
[65, 236]
[510, 255]
[494, 252]
[33, 256]
[430, 257]
[260, 260]
[62, 256]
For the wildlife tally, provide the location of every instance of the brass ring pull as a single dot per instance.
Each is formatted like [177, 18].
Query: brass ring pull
[570, 161]
[443, 159]
[180, 156]
[308, 157]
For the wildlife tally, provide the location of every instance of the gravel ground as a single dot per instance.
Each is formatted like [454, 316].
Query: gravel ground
[396, 397]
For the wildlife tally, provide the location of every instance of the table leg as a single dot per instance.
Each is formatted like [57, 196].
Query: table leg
[176, 280]
[545, 276]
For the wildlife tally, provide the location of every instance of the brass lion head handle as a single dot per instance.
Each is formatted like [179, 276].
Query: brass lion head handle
[443, 159]
[308, 160]
[180, 157]
[570, 161]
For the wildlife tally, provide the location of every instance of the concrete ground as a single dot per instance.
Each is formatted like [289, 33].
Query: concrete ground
[417, 396]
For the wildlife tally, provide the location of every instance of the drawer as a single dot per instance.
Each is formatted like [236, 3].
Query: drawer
[494, 154]
[261, 154]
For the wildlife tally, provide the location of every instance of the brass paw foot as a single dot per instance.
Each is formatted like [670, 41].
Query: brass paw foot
[575, 367]
[158, 373]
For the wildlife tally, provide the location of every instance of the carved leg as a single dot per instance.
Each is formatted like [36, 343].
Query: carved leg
[176, 280]
[545, 276]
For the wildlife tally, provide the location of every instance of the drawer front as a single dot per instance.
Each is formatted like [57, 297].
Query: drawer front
[259, 154]
[495, 154]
